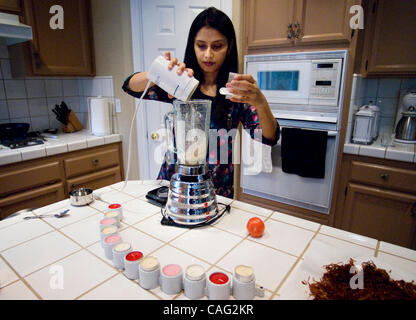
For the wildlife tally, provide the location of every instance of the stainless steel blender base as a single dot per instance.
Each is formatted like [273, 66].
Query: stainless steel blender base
[191, 198]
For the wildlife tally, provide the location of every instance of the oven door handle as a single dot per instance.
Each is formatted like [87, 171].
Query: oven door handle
[331, 133]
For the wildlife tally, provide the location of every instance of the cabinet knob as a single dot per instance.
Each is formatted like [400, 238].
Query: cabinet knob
[95, 162]
[289, 31]
[297, 31]
[384, 176]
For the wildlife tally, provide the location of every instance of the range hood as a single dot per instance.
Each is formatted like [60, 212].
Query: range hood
[12, 31]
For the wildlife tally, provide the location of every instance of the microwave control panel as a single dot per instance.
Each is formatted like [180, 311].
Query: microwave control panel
[325, 79]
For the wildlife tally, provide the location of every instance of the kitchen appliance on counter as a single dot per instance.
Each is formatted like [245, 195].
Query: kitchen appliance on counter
[16, 135]
[305, 90]
[191, 198]
[366, 121]
[405, 126]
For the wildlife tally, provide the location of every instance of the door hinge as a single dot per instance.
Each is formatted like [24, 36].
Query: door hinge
[366, 65]
[352, 33]
[346, 190]
[374, 6]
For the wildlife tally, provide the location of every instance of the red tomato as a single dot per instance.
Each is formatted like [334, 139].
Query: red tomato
[255, 227]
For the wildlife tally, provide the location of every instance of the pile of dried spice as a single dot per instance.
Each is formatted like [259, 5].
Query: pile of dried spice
[377, 284]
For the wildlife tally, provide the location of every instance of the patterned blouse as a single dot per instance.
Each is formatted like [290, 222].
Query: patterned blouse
[222, 174]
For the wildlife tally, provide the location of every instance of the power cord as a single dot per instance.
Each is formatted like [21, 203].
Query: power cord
[168, 221]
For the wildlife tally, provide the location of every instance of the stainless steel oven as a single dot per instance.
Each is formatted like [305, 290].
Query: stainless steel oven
[305, 91]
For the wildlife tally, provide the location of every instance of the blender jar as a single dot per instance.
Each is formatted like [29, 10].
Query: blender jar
[187, 131]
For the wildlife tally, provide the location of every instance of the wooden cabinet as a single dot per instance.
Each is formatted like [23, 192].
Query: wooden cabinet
[10, 6]
[379, 200]
[286, 23]
[388, 41]
[66, 51]
[39, 182]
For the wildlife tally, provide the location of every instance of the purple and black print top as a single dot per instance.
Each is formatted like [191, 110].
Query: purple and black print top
[222, 174]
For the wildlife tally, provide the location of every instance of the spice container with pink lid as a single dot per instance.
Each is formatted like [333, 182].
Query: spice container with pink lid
[171, 279]
[108, 244]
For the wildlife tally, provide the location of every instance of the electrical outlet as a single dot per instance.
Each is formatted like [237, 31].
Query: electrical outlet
[118, 105]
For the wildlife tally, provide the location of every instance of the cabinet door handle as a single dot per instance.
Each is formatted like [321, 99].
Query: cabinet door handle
[289, 31]
[95, 162]
[384, 176]
[413, 210]
[298, 30]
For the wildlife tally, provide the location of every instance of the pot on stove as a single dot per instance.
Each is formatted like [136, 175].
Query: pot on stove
[11, 131]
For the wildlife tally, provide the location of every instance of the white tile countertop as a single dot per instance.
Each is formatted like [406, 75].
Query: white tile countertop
[33, 252]
[61, 143]
[398, 151]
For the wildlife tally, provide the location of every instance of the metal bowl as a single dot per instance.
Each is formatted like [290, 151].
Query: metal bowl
[81, 197]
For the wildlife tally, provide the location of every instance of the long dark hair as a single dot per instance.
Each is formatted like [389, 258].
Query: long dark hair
[216, 19]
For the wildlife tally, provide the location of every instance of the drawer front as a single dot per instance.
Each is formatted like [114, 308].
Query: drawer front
[388, 177]
[35, 198]
[91, 162]
[28, 177]
[95, 180]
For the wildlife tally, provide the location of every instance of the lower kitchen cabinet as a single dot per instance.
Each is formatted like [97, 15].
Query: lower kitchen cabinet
[95, 180]
[33, 198]
[39, 182]
[379, 200]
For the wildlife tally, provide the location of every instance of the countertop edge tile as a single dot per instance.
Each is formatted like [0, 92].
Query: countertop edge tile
[8, 157]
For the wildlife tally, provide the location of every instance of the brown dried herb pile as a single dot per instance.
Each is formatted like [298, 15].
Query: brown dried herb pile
[335, 284]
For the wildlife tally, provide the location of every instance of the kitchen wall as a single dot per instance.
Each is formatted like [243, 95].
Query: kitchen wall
[32, 99]
[383, 92]
[113, 56]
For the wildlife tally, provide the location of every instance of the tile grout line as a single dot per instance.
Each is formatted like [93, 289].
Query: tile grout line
[279, 286]
[20, 278]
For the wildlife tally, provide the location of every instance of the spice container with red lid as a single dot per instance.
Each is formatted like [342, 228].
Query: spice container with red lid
[116, 207]
[131, 264]
[218, 286]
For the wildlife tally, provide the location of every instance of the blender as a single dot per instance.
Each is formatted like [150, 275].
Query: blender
[191, 197]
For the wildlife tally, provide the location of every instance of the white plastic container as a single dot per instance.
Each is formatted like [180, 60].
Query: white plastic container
[363, 126]
[180, 86]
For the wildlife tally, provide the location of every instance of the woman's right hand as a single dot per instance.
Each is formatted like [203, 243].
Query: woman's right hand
[181, 67]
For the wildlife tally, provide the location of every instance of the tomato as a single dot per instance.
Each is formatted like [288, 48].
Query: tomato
[255, 227]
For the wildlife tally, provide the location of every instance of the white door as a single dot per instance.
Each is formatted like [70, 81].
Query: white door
[165, 27]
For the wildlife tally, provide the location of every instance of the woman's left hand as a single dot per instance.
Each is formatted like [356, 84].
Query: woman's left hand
[246, 90]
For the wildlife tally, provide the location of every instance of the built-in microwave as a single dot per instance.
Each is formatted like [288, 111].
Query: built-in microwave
[297, 78]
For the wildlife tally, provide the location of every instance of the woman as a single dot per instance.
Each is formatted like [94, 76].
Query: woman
[211, 54]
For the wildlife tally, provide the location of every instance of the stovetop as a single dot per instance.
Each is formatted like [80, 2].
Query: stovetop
[32, 139]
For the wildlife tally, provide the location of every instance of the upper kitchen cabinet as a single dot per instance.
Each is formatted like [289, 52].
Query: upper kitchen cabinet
[286, 23]
[388, 40]
[64, 49]
[10, 6]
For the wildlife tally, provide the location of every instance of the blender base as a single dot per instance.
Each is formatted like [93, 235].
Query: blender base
[191, 198]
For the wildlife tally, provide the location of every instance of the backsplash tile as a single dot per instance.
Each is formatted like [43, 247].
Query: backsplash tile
[383, 92]
[32, 99]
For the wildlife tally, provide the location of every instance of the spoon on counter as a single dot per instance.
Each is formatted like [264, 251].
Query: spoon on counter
[57, 215]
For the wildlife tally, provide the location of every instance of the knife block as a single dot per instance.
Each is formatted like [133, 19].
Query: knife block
[73, 124]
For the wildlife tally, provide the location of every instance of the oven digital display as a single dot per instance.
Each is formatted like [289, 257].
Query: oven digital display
[325, 65]
[323, 83]
[278, 80]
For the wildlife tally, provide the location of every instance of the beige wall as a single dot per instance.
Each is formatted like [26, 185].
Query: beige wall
[113, 57]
